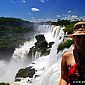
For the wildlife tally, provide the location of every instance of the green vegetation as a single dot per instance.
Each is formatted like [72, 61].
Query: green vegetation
[61, 22]
[4, 84]
[22, 73]
[65, 44]
[27, 72]
[7, 42]
[12, 31]
[69, 28]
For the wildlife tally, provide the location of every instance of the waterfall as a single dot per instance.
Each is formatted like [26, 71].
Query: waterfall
[59, 36]
[43, 28]
[48, 67]
[51, 72]
[21, 52]
[37, 55]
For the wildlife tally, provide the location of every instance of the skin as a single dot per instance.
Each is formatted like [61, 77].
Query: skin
[68, 57]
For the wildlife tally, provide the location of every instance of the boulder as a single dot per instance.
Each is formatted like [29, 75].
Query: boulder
[23, 73]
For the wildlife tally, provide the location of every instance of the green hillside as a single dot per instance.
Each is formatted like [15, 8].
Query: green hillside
[12, 31]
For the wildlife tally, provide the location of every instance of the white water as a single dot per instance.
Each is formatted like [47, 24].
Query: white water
[48, 67]
[21, 53]
[51, 71]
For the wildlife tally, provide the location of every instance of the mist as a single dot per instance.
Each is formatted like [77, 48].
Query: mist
[19, 59]
[9, 69]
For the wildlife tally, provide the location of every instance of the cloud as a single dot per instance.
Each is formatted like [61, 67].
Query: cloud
[29, 13]
[69, 11]
[24, 1]
[70, 17]
[18, 1]
[35, 9]
[14, 1]
[32, 17]
[74, 17]
[58, 16]
[43, 1]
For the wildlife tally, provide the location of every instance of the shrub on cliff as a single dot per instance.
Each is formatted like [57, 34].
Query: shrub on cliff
[4, 84]
[65, 44]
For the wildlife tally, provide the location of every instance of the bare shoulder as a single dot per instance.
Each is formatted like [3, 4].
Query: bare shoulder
[68, 57]
[68, 53]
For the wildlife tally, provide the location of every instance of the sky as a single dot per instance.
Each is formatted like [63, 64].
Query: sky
[42, 9]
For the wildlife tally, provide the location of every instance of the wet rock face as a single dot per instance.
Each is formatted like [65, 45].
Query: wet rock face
[23, 73]
[41, 43]
[40, 37]
[50, 44]
[41, 46]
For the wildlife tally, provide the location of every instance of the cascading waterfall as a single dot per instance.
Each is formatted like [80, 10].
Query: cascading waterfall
[48, 67]
[43, 28]
[51, 74]
[21, 52]
[18, 60]
[59, 36]
[37, 55]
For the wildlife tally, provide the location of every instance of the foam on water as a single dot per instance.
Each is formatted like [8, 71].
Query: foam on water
[48, 67]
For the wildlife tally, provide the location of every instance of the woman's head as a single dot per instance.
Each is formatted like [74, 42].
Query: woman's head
[79, 35]
[79, 28]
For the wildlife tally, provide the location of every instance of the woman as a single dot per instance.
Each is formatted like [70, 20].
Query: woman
[73, 61]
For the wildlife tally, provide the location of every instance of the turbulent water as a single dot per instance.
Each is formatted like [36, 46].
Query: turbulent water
[48, 67]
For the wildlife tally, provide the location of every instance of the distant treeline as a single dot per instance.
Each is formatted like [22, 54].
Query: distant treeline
[14, 24]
